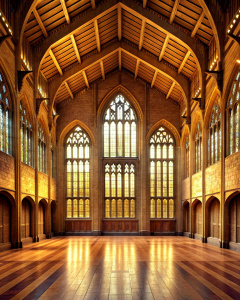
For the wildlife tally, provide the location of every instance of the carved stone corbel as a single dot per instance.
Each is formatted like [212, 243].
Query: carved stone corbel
[21, 76]
[218, 75]
[39, 101]
[53, 121]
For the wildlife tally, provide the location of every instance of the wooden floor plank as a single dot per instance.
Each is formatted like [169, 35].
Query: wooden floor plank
[119, 268]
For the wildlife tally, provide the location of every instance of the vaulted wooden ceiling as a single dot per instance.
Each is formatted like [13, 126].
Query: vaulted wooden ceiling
[118, 23]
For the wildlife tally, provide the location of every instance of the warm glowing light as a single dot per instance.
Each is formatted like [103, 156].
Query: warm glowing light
[238, 61]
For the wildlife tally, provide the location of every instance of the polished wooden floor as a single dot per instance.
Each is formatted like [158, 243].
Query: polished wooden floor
[119, 268]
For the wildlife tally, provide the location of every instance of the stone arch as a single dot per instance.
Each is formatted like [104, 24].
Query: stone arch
[186, 216]
[214, 95]
[213, 218]
[228, 89]
[42, 217]
[27, 218]
[197, 219]
[171, 128]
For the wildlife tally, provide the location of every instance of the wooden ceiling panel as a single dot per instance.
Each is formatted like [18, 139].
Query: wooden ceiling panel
[108, 27]
[48, 68]
[131, 27]
[94, 72]
[146, 72]
[128, 62]
[163, 7]
[77, 7]
[110, 63]
[86, 39]
[77, 83]
[62, 93]
[163, 83]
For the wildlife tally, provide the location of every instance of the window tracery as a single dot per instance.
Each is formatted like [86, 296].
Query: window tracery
[198, 148]
[42, 150]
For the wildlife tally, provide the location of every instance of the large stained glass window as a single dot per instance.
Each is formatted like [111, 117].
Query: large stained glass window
[187, 157]
[214, 136]
[119, 151]
[77, 174]
[162, 174]
[120, 129]
[26, 137]
[120, 190]
[233, 119]
[42, 150]
[5, 117]
[198, 148]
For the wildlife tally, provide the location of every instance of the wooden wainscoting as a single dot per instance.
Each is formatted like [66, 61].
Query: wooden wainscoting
[120, 225]
[78, 225]
[163, 226]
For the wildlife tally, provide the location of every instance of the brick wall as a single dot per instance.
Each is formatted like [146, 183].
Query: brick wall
[197, 185]
[27, 179]
[7, 171]
[42, 185]
[213, 179]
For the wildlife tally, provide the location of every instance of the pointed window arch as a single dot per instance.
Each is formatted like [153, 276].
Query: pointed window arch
[120, 153]
[187, 157]
[214, 135]
[5, 117]
[78, 174]
[162, 156]
[198, 148]
[26, 136]
[233, 120]
[42, 150]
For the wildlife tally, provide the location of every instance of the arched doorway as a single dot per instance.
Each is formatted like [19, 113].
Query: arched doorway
[213, 221]
[197, 220]
[234, 223]
[26, 220]
[5, 221]
[53, 217]
[41, 219]
[186, 217]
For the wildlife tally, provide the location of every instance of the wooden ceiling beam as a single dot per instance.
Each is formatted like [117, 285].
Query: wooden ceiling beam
[97, 35]
[142, 34]
[174, 11]
[40, 23]
[130, 50]
[85, 78]
[120, 59]
[170, 90]
[164, 47]
[55, 62]
[144, 3]
[102, 69]
[154, 78]
[119, 23]
[137, 67]
[75, 48]
[93, 4]
[184, 61]
[199, 21]
[64, 7]
[68, 89]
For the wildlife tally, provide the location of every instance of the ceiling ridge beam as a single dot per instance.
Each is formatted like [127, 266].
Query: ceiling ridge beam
[170, 90]
[97, 35]
[75, 48]
[102, 69]
[120, 59]
[55, 62]
[199, 21]
[154, 78]
[64, 7]
[164, 47]
[85, 78]
[137, 67]
[184, 61]
[174, 11]
[40, 22]
[68, 89]
[119, 23]
[142, 34]
[93, 4]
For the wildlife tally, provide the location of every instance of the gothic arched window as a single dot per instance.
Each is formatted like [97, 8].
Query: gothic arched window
[42, 150]
[119, 151]
[162, 156]
[233, 119]
[26, 137]
[78, 177]
[198, 148]
[214, 136]
[187, 157]
[5, 117]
